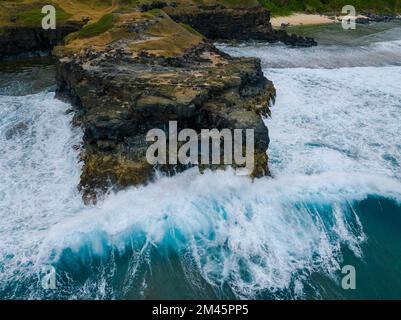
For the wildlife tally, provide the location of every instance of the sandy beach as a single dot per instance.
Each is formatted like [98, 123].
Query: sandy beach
[297, 19]
[302, 19]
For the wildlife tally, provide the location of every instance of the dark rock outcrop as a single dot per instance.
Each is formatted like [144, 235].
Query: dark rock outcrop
[372, 17]
[220, 23]
[139, 76]
[28, 41]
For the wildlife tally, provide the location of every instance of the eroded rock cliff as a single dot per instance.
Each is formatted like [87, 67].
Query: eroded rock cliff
[218, 22]
[142, 71]
[22, 41]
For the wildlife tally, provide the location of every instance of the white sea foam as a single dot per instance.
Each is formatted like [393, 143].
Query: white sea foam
[272, 228]
[377, 54]
[38, 177]
[342, 120]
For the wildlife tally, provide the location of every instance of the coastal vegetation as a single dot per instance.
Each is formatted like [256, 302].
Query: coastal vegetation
[34, 16]
[94, 29]
[286, 7]
[28, 13]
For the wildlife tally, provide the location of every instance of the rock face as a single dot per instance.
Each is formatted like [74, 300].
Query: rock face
[143, 72]
[220, 23]
[23, 41]
[370, 18]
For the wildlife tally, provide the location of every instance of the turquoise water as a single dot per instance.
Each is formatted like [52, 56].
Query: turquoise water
[334, 199]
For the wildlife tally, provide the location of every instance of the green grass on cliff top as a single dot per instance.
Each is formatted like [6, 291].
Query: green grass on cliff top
[33, 17]
[286, 7]
[94, 29]
[28, 13]
[128, 3]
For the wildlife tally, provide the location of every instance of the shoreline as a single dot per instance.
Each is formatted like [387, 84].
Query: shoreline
[300, 18]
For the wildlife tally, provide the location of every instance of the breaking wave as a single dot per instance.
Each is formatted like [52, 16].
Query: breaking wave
[376, 54]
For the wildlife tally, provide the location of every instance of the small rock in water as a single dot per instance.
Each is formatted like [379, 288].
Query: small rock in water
[363, 20]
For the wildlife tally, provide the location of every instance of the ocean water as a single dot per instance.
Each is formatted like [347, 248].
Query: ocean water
[334, 198]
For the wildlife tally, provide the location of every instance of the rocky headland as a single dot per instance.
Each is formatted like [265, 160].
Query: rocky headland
[131, 69]
[142, 72]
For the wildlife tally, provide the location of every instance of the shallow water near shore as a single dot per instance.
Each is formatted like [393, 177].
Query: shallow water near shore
[334, 34]
[334, 199]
